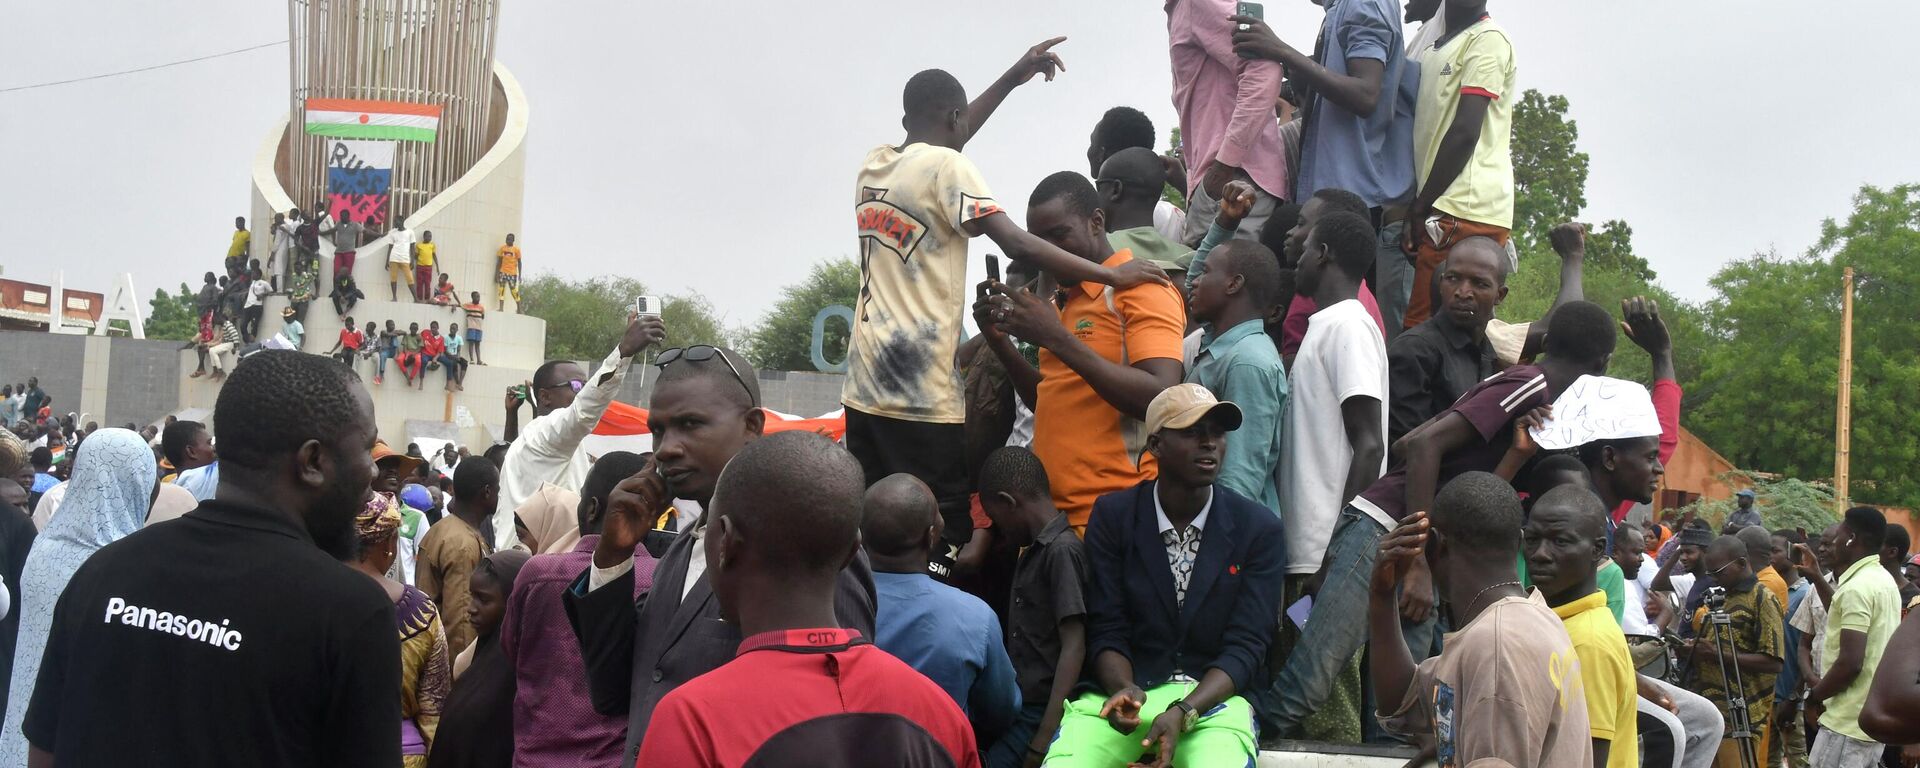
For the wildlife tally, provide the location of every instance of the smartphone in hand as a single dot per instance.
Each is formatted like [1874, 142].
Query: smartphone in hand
[993, 272]
[1255, 10]
[645, 306]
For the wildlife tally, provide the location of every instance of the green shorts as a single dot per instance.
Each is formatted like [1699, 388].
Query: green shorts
[1223, 737]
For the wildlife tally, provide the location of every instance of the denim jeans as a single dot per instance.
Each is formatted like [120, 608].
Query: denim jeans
[1336, 629]
[1393, 277]
[1202, 210]
[1011, 750]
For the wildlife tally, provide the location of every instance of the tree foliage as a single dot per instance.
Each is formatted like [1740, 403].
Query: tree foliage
[585, 318]
[1783, 503]
[171, 317]
[1550, 176]
[1171, 193]
[1549, 172]
[1771, 378]
[782, 340]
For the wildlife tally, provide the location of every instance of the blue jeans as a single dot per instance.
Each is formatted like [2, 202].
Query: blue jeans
[1393, 278]
[1011, 750]
[1336, 629]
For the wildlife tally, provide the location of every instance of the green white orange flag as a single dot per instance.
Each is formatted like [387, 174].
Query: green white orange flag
[368, 119]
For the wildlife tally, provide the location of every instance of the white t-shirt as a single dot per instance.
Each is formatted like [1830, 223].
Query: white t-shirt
[1633, 616]
[1342, 356]
[1811, 620]
[910, 208]
[257, 292]
[1169, 221]
[401, 250]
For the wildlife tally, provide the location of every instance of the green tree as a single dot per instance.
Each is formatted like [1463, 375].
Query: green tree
[1770, 381]
[585, 317]
[1550, 176]
[1549, 173]
[172, 317]
[1783, 503]
[1171, 193]
[782, 340]
[1611, 248]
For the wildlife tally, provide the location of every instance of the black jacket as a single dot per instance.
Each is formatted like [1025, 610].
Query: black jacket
[638, 650]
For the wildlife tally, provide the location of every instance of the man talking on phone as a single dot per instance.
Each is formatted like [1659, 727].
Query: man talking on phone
[567, 403]
[916, 205]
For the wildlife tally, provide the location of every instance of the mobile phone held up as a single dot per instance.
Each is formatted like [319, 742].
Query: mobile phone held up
[1255, 10]
[993, 272]
[645, 306]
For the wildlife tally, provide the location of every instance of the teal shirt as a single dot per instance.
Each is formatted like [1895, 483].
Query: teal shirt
[1197, 263]
[1242, 366]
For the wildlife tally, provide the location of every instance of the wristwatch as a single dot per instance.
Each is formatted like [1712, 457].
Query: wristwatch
[1192, 715]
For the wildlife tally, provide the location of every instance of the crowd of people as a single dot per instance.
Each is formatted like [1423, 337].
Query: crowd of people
[1266, 468]
[229, 306]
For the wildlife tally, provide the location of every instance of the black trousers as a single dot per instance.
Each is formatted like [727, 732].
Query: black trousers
[934, 453]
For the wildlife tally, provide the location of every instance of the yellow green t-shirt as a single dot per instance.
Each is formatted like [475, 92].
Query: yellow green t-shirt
[241, 238]
[1865, 600]
[1606, 672]
[1478, 61]
[423, 254]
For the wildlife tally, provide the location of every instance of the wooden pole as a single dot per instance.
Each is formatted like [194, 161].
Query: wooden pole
[1843, 432]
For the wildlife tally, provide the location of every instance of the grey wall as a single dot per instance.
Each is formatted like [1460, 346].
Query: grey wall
[57, 359]
[143, 378]
[143, 381]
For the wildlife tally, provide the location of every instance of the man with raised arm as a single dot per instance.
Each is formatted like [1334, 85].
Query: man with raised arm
[916, 205]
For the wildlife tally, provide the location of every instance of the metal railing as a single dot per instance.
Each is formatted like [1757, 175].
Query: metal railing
[419, 51]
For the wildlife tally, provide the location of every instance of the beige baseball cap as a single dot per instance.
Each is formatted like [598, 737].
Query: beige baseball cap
[1184, 405]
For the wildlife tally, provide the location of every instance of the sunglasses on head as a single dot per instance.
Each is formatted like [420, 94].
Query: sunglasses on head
[701, 353]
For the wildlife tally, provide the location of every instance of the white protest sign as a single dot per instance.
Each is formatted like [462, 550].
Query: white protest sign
[1598, 408]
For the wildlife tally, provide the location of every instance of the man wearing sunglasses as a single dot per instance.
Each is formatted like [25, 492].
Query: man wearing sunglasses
[567, 403]
[1756, 636]
[704, 410]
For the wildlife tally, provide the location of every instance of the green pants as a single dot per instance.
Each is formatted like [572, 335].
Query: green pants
[1222, 737]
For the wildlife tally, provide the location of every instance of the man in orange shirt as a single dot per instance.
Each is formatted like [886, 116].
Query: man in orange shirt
[1104, 354]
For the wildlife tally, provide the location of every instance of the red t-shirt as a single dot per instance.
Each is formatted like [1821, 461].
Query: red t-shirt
[349, 338]
[1294, 327]
[1666, 406]
[809, 697]
[432, 344]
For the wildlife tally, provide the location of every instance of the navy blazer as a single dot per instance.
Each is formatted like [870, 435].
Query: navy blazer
[1232, 600]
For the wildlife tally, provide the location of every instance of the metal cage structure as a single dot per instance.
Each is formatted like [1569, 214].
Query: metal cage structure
[420, 51]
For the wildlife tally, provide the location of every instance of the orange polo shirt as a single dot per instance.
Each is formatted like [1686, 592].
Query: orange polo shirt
[1087, 445]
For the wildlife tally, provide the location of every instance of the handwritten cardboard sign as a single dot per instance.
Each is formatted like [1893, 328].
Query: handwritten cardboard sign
[1598, 408]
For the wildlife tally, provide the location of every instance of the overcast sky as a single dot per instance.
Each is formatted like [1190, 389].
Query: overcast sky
[713, 147]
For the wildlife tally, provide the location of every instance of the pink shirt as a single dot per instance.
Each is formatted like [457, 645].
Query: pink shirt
[554, 724]
[1225, 102]
[1294, 327]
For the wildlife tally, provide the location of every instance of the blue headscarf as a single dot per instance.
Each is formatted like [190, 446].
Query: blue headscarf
[109, 497]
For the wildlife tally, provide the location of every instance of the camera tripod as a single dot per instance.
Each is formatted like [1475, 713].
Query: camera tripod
[1739, 721]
